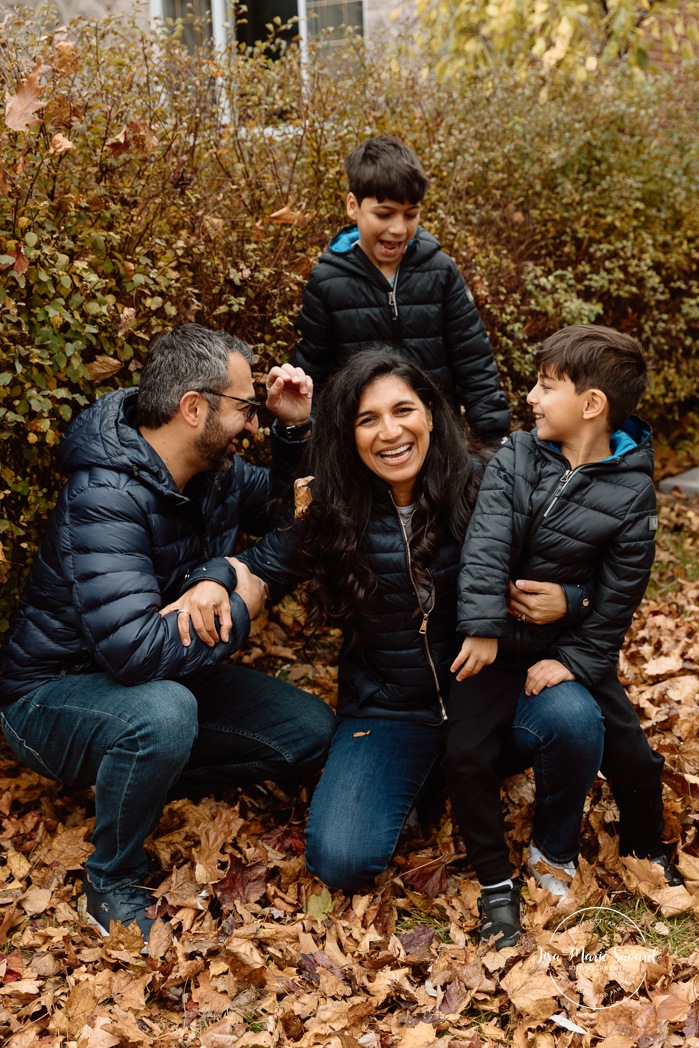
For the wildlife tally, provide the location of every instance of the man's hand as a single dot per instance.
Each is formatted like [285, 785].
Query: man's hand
[289, 394]
[204, 601]
[476, 652]
[250, 587]
[545, 674]
[537, 602]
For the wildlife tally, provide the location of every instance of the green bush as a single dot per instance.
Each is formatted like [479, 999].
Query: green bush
[151, 187]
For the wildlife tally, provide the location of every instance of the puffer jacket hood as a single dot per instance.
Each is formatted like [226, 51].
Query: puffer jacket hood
[107, 436]
[344, 247]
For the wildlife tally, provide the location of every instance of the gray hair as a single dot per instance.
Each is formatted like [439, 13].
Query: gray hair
[190, 357]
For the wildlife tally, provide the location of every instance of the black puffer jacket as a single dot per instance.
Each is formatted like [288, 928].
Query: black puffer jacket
[537, 519]
[117, 548]
[395, 671]
[429, 313]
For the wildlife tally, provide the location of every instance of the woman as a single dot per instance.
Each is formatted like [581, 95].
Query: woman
[378, 547]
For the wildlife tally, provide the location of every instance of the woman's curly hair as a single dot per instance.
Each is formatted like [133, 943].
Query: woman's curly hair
[331, 551]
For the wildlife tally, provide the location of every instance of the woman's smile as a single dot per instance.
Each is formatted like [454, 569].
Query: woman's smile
[392, 433]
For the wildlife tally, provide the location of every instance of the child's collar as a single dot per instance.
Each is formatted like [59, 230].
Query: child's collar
[620, 443]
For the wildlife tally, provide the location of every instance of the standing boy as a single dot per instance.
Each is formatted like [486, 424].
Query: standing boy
[573, 500]
[384, 279]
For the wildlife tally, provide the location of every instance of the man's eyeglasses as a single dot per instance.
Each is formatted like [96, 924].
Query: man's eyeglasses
[253, 406]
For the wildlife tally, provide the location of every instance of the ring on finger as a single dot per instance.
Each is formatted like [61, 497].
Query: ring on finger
[522, 617]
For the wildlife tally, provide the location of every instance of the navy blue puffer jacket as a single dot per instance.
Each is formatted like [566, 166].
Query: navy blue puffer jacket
[536, 518]
[117, 548]
[428, 313]
[395, 670]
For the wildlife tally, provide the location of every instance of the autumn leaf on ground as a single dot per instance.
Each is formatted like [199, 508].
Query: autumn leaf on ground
[319, 905]
[646, 877]
[21, 109]
[285, 840]
[530, 988]
[242, 883]
[427, 876]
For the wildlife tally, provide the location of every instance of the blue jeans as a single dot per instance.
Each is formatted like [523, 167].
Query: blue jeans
[374, 773]
[495, 729]
[221, 727]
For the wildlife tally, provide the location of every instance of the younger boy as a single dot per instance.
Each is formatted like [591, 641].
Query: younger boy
[384, 279]
[572, 500]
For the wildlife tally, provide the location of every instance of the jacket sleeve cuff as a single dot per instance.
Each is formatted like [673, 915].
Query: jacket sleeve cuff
[216, 570]
[579, 602]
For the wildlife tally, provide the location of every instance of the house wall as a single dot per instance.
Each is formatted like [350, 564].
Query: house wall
[381, 15]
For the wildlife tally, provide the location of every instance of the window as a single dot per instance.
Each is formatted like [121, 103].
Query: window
[207, 19]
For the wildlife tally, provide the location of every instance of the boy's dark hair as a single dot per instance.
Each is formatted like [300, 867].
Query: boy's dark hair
[385, 168]
[595, 357]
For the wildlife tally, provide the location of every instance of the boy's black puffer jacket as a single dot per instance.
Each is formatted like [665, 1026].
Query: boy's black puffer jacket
[117, 548]
[394, 669]
[537, 519]
[429, 313]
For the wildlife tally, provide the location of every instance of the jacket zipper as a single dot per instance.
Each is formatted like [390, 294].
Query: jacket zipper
[561, 484]
[392, 296]
[425, 616]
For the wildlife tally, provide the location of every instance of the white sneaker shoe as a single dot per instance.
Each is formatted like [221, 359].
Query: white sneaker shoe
[555, 877]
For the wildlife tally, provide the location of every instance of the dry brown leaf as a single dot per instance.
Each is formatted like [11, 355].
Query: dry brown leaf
[102, 367]
[60, 144]
[531, 989]
[21, 109]
[663, 666]
[119, 144]
[128, 319]
[36, 900]
[286, 217]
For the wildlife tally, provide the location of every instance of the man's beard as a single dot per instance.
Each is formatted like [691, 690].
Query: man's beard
[213, 444]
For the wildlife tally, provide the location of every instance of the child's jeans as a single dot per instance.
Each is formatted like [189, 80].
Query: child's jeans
[571, 735]
[491, 723]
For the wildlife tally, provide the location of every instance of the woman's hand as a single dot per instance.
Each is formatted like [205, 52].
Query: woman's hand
[476, 652]
[537, 602]
[208, 600]
[546, 674]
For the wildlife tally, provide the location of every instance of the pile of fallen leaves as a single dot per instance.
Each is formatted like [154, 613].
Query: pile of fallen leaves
[252, 950]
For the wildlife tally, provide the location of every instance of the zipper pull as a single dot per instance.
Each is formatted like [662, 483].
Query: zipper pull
[564, 480]
[393, 304]
[423, 625]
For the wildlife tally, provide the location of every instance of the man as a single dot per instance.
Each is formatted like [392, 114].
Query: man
[97, 685]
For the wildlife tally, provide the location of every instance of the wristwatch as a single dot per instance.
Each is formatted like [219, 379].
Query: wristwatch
[298, 432]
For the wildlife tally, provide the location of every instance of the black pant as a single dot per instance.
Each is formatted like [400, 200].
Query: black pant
[634, 772]
[494, 730]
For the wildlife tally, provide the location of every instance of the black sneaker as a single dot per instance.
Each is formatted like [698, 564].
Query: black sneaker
[670, 872]
[124, 905]
[499, 908]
